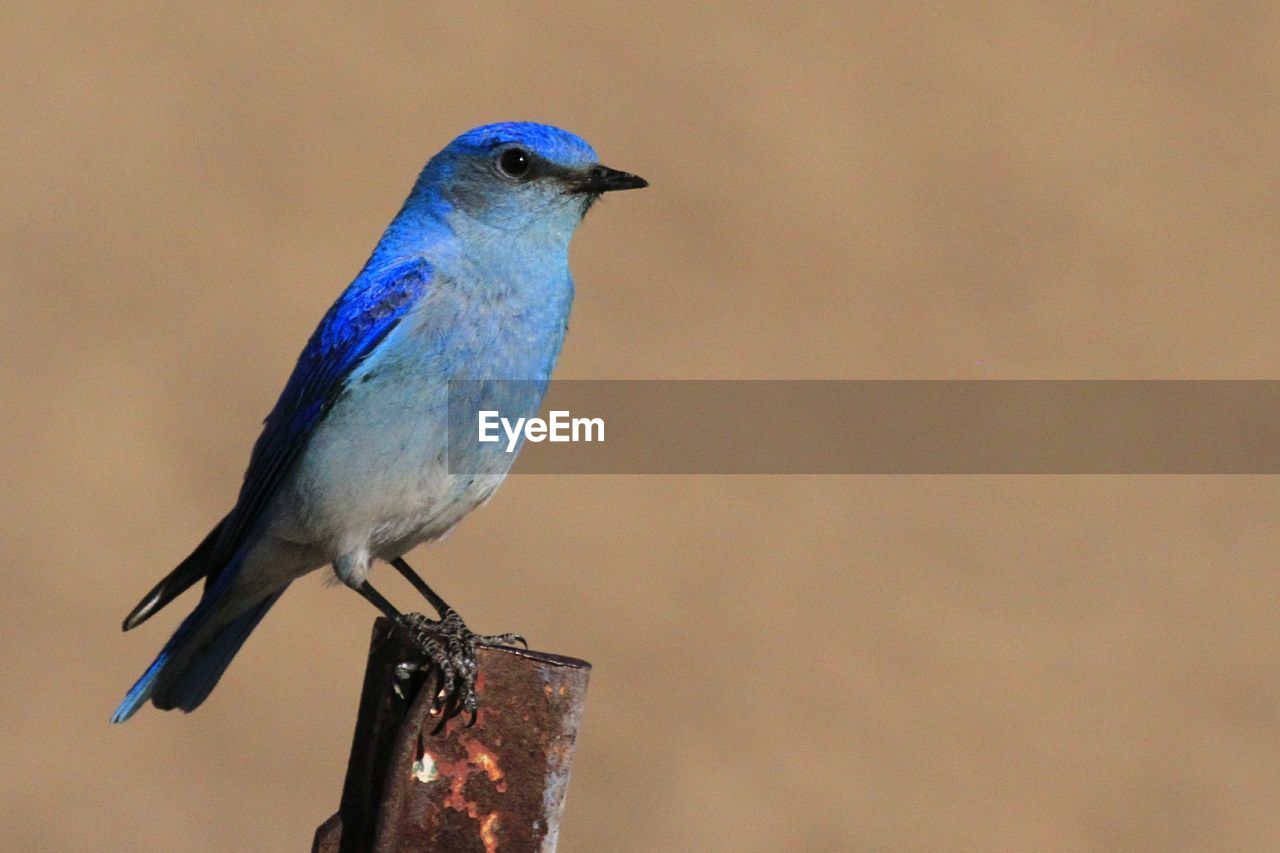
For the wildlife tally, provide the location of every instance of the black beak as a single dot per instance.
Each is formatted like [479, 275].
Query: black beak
[602, 179]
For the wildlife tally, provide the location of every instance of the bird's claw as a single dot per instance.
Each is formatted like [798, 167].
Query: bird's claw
[449, 647]
[502, 640]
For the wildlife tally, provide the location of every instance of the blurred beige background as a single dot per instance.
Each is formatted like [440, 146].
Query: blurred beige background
[807, 663]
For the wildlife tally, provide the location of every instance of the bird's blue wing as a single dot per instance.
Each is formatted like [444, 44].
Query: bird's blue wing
[363, 315]
[361, 318]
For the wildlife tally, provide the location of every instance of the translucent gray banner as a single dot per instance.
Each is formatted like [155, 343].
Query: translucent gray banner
[872, 426]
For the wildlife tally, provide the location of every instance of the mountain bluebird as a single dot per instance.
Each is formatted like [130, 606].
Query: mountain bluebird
[470, 281]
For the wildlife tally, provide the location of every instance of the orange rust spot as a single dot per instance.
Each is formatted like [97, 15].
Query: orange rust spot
[484, 759]
[488, 832]
[458, 773]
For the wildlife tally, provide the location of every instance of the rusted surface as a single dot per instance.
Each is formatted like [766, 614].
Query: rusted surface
[498, 786]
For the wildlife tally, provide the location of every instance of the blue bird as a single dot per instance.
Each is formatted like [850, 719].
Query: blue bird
[470, 281]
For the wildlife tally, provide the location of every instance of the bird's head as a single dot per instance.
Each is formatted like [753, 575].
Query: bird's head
[520, 175]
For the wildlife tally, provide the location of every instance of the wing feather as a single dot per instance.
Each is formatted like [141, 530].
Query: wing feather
[361, 318]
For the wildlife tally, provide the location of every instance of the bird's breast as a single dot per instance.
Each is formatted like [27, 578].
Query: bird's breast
[379, 464]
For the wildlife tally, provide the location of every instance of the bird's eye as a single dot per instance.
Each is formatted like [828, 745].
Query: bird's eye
[514, 163]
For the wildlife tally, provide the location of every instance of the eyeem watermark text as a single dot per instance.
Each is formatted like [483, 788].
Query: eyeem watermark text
[561, 426]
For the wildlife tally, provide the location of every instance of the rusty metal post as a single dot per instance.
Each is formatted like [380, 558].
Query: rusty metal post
[498, 786]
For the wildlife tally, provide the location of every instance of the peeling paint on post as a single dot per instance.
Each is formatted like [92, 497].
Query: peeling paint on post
[498, 787]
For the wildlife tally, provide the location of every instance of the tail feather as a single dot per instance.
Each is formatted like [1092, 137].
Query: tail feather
[177, 679]
[175, 583]
[188, 687]
[140, 692]
[191, 663]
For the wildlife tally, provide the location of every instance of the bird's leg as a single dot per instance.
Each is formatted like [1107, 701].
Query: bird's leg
[418, 628]
[459, 641]
[421, 586]
[451, 623]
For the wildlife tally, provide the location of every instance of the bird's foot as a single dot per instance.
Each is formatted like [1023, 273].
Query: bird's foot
[449, 647]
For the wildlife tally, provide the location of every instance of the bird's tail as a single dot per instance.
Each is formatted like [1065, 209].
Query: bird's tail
[200, 564]
[180, 680]
[187, 683]
[140, 692]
